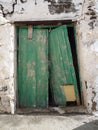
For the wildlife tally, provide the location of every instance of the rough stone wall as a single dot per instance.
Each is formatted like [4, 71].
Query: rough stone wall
[85, 12]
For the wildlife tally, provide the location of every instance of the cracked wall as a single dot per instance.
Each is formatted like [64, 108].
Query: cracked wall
[24, 10]
[7, 6]
[87, 32]
[7, 94]
[85, 12]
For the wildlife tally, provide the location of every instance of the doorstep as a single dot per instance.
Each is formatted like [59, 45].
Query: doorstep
[53, 110]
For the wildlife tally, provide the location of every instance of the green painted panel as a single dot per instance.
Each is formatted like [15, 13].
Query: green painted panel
[46, 46]
[61, 65]
[33, 68]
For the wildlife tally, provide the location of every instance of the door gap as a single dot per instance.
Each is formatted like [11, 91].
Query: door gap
[72, 41]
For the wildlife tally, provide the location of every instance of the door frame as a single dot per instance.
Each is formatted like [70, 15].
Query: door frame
[43, 24]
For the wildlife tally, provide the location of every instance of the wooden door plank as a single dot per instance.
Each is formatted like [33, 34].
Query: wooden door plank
[61, 67]
[42, 67]
[32, 69]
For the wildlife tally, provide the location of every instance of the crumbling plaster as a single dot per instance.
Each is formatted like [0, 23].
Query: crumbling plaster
[7, 94]
[85, 13]
[87, 34]
[24, 10]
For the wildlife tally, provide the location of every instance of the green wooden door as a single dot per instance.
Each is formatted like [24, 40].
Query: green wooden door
[33, 68]
[34, 73]
[61, 65]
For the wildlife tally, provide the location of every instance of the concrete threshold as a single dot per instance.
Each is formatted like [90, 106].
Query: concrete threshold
[53, 110]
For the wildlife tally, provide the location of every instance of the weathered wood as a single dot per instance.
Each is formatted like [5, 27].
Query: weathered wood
[30, 32]
[61, 68]
[33, 68]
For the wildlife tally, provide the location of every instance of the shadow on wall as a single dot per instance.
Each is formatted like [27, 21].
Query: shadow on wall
[89, 126]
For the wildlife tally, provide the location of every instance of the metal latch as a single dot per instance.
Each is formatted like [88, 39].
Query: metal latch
[30, 32]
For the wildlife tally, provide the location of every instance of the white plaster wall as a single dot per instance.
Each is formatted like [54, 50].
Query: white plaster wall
[87, 30]
[7, 5]
[7, 95]
[29, 11]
